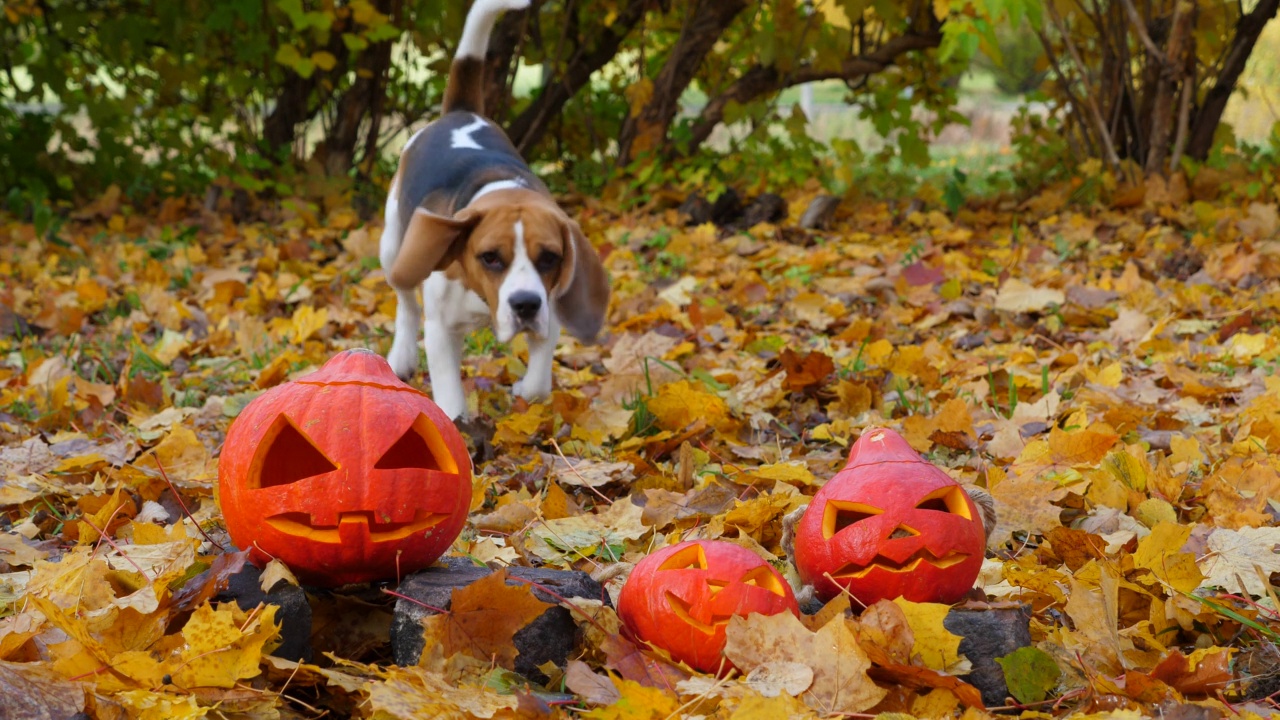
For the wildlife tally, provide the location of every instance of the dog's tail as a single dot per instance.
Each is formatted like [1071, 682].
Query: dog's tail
[466, 76]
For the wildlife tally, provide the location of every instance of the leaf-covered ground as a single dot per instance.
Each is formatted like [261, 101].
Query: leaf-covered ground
[1106, 371]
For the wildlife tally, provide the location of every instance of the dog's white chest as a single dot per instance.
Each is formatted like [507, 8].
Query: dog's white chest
[461, 309]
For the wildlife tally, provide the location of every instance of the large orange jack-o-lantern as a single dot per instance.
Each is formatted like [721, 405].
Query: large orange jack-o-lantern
[890, 524]
[347, 475]
[681, 597]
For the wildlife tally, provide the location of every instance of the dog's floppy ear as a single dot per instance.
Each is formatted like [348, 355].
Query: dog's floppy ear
[582, 290]
[430, 243]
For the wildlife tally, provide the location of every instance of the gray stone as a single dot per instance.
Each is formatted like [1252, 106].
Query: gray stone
[820, 212]
[988, 633]
[551, 636]
[294, 615]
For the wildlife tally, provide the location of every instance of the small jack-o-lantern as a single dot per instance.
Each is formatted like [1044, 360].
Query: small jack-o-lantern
[347, 475]
[681, 597]
[890, 524]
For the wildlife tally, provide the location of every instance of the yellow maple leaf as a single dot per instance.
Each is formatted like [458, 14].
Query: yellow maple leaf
[148, 705]
[679, 404]
[1185, 450]
[1161, 553]
[935, 646]
[789, 472]
[182, 455]
[758, 707]
[306, 321]
[519, 428]
[95, 526]
[223, 645]
[636, 702]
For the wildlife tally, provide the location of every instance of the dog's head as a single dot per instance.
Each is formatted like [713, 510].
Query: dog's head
[520, 252]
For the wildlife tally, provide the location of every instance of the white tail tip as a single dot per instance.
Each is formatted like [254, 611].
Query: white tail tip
[479, 25]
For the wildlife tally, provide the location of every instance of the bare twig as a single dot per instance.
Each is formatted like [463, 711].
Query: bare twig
[1095, 114]
[1184, 123]
[1141, 29]
[178, 496]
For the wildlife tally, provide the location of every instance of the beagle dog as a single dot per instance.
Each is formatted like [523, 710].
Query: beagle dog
[469, 221]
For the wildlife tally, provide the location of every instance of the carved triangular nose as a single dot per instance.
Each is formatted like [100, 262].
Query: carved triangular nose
[903, 531]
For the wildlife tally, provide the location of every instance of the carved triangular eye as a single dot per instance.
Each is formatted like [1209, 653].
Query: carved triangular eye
[840, 514]
[286, 456]
[421, 446]
[764, 577]
[689, 558]
[948, 500]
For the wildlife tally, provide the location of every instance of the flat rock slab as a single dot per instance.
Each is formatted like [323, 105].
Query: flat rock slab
[988, 633]
[294, 615]
[551, 636]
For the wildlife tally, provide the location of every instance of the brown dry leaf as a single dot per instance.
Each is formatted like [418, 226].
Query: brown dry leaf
[593, 688]
[1018, 296]
[631, 663]
[33, 691]
[483, 617]
[663, 507]
[883, 631]
[15, 551]
[1206, 672]
[840, 682]
[807, 371]
[1025, 504]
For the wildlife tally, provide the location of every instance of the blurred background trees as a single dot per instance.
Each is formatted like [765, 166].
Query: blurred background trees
[279, 97]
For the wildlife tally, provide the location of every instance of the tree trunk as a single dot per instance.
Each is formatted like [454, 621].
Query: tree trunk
[1172, 62]
[295, 104]
[362, 100]
[647, 130]
[528, 128]
[762, 80]
[507, 37]
[1209, 116]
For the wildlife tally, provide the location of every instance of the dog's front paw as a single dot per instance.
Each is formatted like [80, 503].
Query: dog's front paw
[532, 390]
[403, 359]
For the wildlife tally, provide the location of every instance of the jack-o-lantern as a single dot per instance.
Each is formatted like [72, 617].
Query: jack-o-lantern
[890, 524]
[681, 597]
[347, 475]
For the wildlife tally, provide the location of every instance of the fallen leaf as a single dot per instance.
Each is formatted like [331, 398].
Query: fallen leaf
[482, 619]
[1030, 674]
[839, 665]
[1017, 296]
[1234, 554]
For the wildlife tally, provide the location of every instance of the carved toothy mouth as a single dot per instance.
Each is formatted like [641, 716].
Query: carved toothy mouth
[360, 523]
[880, 562]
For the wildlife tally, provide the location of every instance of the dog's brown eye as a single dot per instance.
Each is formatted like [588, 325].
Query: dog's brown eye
[547, 262]
[491, 260]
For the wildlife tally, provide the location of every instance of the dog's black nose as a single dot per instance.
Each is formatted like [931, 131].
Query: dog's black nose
[525, 304]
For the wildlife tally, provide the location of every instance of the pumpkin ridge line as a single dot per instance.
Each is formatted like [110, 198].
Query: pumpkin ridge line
[890, 462]
[380, 386]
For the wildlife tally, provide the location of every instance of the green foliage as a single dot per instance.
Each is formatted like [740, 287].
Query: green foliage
[1030, 674]
[1018, 65]
[248, 95]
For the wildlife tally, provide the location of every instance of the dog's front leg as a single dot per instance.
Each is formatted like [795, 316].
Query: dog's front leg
[404, 347]
[536, 384]
[444, 363]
